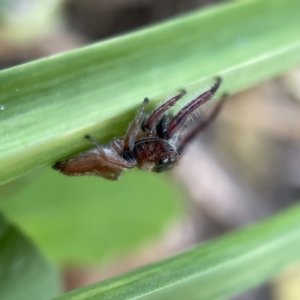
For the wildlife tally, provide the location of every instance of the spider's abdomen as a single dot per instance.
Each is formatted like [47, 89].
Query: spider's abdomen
[89, 163]
[155, 154]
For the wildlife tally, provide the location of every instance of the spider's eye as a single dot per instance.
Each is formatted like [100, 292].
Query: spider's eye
[167, 160]
[164, 164]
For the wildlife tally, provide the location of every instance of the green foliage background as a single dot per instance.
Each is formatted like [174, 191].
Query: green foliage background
[50, 104]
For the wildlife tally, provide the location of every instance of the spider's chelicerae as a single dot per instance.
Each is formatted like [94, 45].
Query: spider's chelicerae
[151, 143]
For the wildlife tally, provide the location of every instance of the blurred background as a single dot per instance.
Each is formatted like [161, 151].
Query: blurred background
[245, 167]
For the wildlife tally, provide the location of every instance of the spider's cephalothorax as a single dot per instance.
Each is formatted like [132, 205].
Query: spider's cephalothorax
[151, 143]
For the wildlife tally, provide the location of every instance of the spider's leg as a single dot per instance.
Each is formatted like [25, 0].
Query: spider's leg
[183, 114]
[110, 159]
[152, 120]
[202, 125]
[134, 128]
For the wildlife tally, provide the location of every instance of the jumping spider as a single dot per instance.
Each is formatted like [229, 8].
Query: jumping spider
[152, 143]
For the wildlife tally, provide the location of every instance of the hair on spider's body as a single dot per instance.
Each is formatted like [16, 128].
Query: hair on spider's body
[150, 143]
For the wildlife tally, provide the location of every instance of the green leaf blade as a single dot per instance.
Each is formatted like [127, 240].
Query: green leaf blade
[52, 103]
[215, 270]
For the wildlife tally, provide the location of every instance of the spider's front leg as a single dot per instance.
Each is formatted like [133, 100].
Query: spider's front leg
[190, 136]
[183, 114]
[153, 119]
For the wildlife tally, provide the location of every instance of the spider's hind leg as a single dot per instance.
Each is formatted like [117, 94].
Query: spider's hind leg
[109, 159]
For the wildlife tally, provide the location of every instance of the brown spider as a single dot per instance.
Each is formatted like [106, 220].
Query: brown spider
[151, 143]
